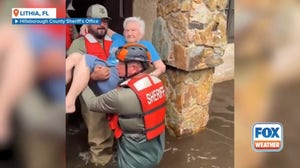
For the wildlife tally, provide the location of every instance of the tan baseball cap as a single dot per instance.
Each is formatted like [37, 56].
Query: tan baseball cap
[97, 11]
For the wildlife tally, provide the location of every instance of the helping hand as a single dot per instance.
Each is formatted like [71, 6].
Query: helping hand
[100, 73]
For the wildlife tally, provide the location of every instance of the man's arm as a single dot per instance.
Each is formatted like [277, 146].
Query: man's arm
[105, 103]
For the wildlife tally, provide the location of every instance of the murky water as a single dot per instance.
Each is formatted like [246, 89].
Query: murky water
[211, 148]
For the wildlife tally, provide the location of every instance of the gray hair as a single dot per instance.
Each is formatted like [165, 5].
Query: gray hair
[137, 20]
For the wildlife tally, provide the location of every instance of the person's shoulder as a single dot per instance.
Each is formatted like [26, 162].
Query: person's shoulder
[77, 45]
[147, 44]
[119, 93]
[79, 40]
[144, 42]
[117, 37]
[125, 92]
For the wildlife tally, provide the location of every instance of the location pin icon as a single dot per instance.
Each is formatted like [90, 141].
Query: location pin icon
[16, 12]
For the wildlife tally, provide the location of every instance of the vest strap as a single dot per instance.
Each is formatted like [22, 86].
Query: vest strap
[155, 109]
[141, 115]
[129, 116]
[144, 131]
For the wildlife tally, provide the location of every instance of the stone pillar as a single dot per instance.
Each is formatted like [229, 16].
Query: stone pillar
[146, 10]
[190, 36]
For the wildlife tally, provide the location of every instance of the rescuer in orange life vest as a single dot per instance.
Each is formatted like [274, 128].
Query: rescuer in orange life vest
[137, 109]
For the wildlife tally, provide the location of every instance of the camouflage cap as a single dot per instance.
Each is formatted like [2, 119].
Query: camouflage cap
[97, 11]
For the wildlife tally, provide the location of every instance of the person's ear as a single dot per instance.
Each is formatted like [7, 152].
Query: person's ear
[135, 67]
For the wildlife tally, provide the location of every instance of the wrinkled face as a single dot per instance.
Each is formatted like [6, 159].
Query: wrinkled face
[132, 32]
[99, 30]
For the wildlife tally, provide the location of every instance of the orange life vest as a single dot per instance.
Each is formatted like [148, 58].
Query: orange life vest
[152, 99]
[93, 47]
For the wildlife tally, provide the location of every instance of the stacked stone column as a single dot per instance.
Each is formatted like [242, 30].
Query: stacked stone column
[190, 36]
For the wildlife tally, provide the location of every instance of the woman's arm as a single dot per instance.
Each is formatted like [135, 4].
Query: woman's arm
[110, 32]
[160, 68]
[84, 30]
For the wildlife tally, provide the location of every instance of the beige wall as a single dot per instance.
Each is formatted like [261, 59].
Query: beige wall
[146, 9]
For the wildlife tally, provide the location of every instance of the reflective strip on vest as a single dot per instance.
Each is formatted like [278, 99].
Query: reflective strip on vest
[93, 47]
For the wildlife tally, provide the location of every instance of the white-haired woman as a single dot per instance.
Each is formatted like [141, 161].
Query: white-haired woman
[134, 30]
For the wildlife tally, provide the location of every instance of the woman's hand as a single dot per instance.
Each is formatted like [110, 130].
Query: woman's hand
[100, 73]
[84, 30]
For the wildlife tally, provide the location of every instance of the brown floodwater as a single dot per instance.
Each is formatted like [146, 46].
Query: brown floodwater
[211, 148]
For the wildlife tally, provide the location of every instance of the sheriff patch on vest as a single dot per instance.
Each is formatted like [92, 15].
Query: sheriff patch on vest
[155, 95]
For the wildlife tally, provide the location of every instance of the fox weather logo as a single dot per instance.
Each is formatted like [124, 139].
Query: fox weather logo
[267, 137]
